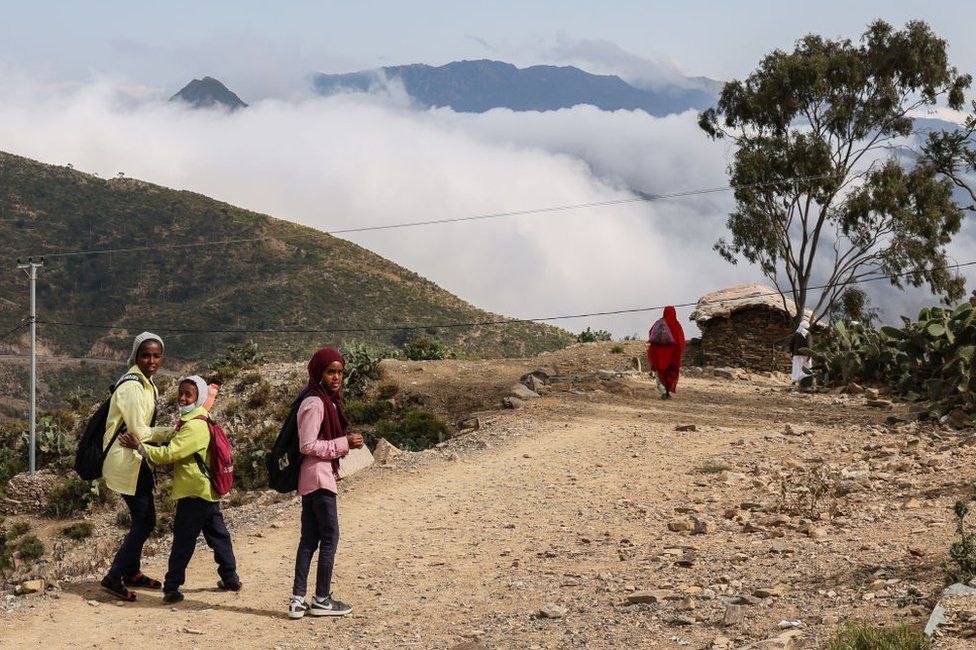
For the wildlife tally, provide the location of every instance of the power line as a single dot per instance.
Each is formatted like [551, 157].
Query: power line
[481, 217]
[21, 326]
[487, 323]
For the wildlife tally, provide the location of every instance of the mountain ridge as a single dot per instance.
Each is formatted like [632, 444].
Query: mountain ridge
[207, 93]
[476, 86]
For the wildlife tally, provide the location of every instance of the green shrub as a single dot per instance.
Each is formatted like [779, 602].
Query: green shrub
[362, 366]
[260, 395]
[962, 552]
[78, 531]
[250, 471]
[11, 463]
[360, 412]
[861, 636]
[231, 408]
[164, 525]
[71, 497]
[617, 349]
[237, 358]
[123, 519]
[17, 529]
[55, 443]
[589, 336]
[415, 431]
[247, 380]
[930, 360]
[425, 349]
[30, 548]
[387, 390]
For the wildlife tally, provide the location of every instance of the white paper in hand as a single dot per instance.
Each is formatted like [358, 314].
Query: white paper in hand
[355, 460]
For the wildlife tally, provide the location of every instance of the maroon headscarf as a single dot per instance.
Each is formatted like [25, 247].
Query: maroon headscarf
[334, 424]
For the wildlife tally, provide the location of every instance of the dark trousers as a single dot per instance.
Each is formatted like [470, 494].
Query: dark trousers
[320, 529]
[193, 516]
[142, 511]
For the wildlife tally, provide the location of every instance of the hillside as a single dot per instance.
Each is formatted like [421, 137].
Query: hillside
[295, 278]
[478, 86]
[207, 92]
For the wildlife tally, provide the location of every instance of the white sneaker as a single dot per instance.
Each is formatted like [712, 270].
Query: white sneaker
[297, 608]
[328, 607]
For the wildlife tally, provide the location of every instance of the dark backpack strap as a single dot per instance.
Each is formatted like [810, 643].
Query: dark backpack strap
[121, 427]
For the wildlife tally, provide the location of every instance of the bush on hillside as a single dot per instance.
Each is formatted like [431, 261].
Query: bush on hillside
[425, 349]
[363, 412]
[55, 443]
[415, 431]
[260, 396]
[590, 336]
[79, 531]
[30, 547]
[387, 390]
[123, 519]
[237, 358]
[961, 564]
[12, 462]
[931, 359]
[18, 529]
[862, 636]
[250, 472]
[71, 497]
[362, 366]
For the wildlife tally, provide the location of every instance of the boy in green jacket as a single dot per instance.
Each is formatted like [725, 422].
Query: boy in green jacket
[197, 503]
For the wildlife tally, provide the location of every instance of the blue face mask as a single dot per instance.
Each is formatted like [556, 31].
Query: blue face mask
[186, 409]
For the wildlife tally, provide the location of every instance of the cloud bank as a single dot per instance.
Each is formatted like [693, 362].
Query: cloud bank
[358, 159]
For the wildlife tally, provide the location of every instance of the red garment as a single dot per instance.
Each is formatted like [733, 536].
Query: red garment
[665, 360]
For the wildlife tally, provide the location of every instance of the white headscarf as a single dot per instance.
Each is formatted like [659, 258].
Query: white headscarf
[202, 388]
[139, 340]
[803, 329]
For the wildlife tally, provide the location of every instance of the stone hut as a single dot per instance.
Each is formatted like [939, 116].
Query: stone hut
[745, 326]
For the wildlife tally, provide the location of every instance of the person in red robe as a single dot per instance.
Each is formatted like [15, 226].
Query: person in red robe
[665, 358]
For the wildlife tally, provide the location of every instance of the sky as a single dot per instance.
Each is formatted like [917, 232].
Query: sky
[84, 83]
[260, 48]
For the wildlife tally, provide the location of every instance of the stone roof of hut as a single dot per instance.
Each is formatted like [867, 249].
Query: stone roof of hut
[725, 302]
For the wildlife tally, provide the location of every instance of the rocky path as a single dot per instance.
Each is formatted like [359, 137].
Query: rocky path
[539, 530]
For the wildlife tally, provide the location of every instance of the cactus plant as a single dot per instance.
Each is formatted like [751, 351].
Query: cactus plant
[929, 359]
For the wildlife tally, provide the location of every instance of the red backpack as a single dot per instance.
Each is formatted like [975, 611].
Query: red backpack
[221, 470]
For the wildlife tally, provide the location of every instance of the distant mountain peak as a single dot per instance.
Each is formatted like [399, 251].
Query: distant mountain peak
[207, 92]
[481, 85]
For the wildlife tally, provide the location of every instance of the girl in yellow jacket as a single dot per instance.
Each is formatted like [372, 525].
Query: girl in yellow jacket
[133, 408]
[197, 503]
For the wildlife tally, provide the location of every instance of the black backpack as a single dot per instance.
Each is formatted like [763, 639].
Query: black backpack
[90, 455]
[285, 459]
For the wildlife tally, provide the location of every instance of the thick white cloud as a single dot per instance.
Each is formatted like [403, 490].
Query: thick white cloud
[358, 159]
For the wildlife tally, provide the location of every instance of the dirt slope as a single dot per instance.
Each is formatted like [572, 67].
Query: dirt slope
[568, 502]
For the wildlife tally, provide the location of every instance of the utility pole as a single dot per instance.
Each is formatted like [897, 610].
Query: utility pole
[30, 267]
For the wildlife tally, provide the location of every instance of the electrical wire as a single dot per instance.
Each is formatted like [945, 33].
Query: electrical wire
[486, 323]
[24, 323]
[411, 224]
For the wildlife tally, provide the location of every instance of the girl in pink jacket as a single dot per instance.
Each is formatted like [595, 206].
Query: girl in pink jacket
[323, 439]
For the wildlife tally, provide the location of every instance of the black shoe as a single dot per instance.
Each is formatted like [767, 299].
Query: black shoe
[117, 589]
[172, 596]
[328, 607]
[228, 586]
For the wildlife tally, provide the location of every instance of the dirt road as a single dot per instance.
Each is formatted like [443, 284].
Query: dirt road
[565, 505]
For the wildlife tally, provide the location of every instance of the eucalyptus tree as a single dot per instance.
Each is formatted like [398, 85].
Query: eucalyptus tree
[828, 190]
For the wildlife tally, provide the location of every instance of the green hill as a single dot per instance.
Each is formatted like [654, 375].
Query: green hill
[296, 278]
